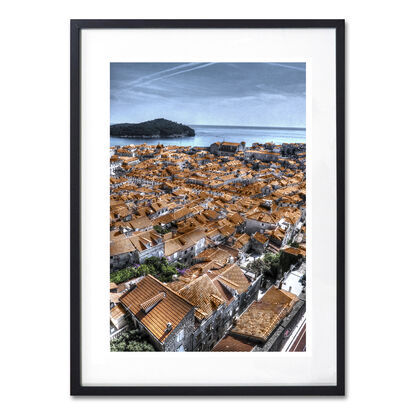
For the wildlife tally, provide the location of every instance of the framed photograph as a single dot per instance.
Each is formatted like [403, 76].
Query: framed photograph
[207, 207]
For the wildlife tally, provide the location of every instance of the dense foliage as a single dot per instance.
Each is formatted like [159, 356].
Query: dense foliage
[158, 127]
[159, 229]
[123, 275]
[272, 265]
[268, 266]
[286, 260]
[131, 341]
[158, 267]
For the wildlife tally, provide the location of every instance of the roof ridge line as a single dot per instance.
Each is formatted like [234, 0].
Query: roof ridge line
[172, 291]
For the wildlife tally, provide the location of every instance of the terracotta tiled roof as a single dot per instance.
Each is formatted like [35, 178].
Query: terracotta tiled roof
[262, 217]
[232, 344]
[183, 241]
[171, 309]
[176, 285]
[242, 241]
[224, 292]
[233, 277]
[227, 143]
[141, 222]
[227, 230]
[203, 294]
[147, 305]
[214, 254]
[145, 240]
[116, 235]
[262, 317]
[171, 246]
[236, 218]
[121, 246]
[301, 250]
[181, 213]
[117, 312]
[278, 234]
[261, 238]
[115, 297]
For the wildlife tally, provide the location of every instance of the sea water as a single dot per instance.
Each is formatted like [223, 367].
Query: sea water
[208, 134]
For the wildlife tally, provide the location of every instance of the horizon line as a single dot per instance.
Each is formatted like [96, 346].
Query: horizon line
[223, 125]
[250, 126]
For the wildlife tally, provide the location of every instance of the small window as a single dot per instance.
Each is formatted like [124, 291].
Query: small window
[180, 335]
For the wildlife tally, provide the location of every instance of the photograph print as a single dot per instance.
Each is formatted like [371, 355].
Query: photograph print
[207, 207]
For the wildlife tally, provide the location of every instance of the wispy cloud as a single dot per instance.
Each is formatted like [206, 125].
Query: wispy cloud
[284, 65]
[178, 73]
[141, 79]
[210, 93]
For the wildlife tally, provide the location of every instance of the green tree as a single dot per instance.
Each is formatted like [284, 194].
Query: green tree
[143, 270]
[179, 265]
[135, 346]
[159, 229]
[269, 266]
[158, 127]
[286, 260]
[256, 266]
[158, 267]
[123, 275]
[131, 341]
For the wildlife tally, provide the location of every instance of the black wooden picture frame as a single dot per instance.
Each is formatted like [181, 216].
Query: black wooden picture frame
[76, 387]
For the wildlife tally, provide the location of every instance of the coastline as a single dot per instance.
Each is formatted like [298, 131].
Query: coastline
[206, 135]
[152, 137]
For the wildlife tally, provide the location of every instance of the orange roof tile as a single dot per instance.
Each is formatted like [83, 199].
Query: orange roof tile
[203, 294]
[232, 344]
[171, 309]
[121, 246]
[233, 277]
[263, 316]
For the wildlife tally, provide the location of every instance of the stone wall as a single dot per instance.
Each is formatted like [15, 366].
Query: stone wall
[277, 339]
[123, 260]
[157, 251]
[211, 331]
[251, 295]
[187, 324]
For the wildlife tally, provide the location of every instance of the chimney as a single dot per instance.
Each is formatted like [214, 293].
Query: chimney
[168, 327]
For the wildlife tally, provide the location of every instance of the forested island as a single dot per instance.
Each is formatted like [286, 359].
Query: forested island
[158, 128]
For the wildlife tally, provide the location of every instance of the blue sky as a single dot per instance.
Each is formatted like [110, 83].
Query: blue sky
[252, 94]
